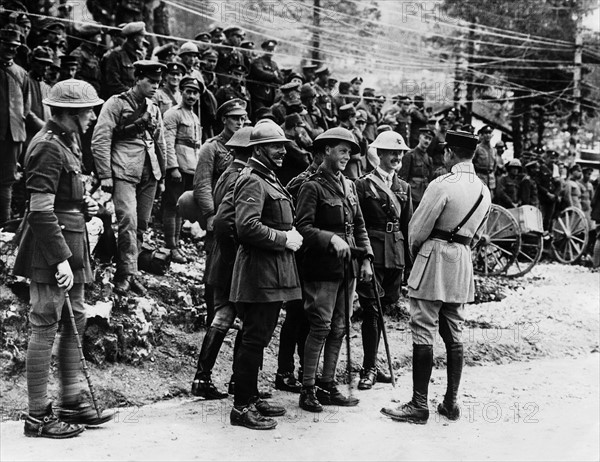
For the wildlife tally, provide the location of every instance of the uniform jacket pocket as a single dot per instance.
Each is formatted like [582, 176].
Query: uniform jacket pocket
[419, 266]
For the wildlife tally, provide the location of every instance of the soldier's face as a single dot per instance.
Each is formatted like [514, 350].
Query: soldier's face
[85, 117]
[147, 87]
[272, 155]
[7, 51]
[190, 96]
[236, 39]
[425, 140]
[188, 59]
[337, 157]
[173, 79]
[234, 123]
[211, 63]
[389, 160]
[69, 71]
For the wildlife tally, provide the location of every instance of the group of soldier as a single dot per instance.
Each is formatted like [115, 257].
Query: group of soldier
[302, 205]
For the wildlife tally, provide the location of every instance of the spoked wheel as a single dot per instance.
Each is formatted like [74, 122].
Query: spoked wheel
[499, 245]
[570, 235]
[532, 246]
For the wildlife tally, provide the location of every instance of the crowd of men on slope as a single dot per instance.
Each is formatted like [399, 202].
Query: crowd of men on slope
[267, 244]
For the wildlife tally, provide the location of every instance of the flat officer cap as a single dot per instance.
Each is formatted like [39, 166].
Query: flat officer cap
[369, 92]
[308, 67]
[460, 139]
[210, 52]
[216, 31]
[233, 30]
[42, 54]
[173, 68]
[347, 108]
[247, 44]
[290, 86]
[307, 90]
[89, 29]
[294, 75]
[485, 129]
[233, 107]
[426, 131]
[164, 50]
[322, 70]
[66, 61]
[188, 47]
[191, 82]
[238, 68]
[268, 44]
[356, 80]
[134, 28]
[202, 37]
[531, 163]
[52, 25]
[514, 163]
[331, 80]
[148, 68]
[381, 98]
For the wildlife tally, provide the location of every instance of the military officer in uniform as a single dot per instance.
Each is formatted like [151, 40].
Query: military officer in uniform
[168, 95]
[264, 78]
[87, 54]
[213, 159]
[440, 233]
[220, 271]
[386, 203]
[264, 274]
[507, 186]
[235, 88]
[528, 189]
[330, 220]
[53, 253]
[190, 58]
[290, 96]
[208, 64]
[118, 66]
[129, 152]
[417, 166]
[485, 160]
[229, 54]
[324, 100]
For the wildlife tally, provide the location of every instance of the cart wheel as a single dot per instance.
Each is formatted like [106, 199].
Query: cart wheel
[569, 235]
[532, 247]
[499, 244]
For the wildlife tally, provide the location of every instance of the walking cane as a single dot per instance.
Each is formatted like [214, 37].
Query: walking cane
[347, 326]
[360, 253]
[81, 357]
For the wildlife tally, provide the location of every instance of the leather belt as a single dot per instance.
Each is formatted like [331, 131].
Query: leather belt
[389, 227]
[450, 237]
[188, 143]
[484, 171]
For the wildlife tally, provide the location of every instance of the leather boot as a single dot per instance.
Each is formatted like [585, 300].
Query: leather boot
[454, 365]
[49, 426]
[202, 384]
[329, 394]
[82, 413]
[417, 409]
[287, 382]
[249, 417]
[309, 401]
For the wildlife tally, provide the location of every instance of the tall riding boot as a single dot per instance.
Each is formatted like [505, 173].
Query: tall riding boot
[202, 384]
[417, 409]
[454, 355]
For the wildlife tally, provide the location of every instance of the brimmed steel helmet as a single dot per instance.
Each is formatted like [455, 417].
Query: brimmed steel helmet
[336, 134]
[72, 93]
[240, 139]
[267, 133]
[514, 163]
[390, 140]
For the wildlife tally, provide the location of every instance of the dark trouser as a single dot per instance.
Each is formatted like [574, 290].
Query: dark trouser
[133, 206]
[293, 335]
[8, 170]
[548, 209]
[171, 220]
[259, 322]
[209, 294]
[390, 280]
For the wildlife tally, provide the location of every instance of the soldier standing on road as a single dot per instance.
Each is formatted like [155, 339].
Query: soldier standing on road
[331, 221]
[386, 203]
[264, 274]
[53, 253]
[183, 139]
[417, 167]
[448, 220]
[213, 159]
[129, 152]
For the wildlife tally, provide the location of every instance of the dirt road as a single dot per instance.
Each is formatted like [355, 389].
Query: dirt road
[541, 410]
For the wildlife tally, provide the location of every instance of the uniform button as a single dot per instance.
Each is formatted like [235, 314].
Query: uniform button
[62, 226]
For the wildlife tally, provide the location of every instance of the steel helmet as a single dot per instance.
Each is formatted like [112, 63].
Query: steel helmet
[390, 140]
[267, 132]
[72, 93]
[337, 134]
[514, 163]
[188, 47]
[240, 138]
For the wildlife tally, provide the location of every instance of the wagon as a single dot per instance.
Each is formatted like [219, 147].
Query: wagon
[513, 240]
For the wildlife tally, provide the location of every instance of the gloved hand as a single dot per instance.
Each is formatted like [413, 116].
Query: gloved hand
[293, 240]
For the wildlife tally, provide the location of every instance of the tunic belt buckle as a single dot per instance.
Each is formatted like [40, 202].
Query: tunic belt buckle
[348, 228]
[392, 227]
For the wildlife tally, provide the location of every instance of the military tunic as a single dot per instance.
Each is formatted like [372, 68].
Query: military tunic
[263, 79]
[507, 191]
[528, 192]
[485, 164]
[88, 68]
[416, 169]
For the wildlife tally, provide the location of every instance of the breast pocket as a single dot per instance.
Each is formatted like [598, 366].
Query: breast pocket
[76, 182]
[279, 213]
[331, 212]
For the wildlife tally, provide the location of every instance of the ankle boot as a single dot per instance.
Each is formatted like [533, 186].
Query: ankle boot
[308, 399]
[454, 365]
[417, 409]
[202, 384]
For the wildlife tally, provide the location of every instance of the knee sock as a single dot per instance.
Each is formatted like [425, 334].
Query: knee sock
[39, 353]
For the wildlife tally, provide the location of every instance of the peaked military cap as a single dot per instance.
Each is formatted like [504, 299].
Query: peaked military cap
[290, 86]
[42, 54]
[308, 67]
[247, 44]
[89, 29]
[66, 61]
[356, 80]
[202, 37]
[134, 28]
[426, 131]
[191, 82]
[269, 44]
[238, 68]
[164, 50]
[233, 30]
[322, 70]
[151, 69]
[10, 35]
[233, 107]
[348, 108]
[173, 68]
[460, 139]
[485, 129]
[210, 52]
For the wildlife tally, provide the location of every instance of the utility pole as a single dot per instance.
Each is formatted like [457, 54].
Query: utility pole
[576, 117]
[469, 75]
[316, 52]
